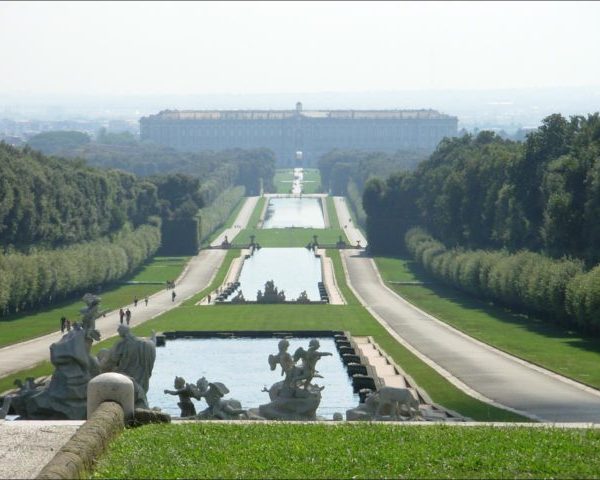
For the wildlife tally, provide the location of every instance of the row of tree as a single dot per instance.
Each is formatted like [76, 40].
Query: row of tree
[557, 290]
[51, 202]
[345, 172]
[485, 192]
[43, 276]
[217, 170]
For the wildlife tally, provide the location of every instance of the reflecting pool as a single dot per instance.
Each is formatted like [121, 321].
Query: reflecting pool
[294, 212]
[292, 269]
[241, 364]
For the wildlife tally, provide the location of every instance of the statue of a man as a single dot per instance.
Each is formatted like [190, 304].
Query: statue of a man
[133, 357]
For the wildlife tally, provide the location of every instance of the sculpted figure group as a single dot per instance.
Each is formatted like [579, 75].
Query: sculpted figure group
[64, 397]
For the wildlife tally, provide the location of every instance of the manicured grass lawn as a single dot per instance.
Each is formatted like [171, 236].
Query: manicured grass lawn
[17, 328]
[546, 344]
[255, 217]
[334, 221]
[212, 450]
[290, 237]
[283, 180]
[311, 181]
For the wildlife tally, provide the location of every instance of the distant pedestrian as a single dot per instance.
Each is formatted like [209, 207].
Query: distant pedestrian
[208, 298]
[68, 325]
[173, 295]
[135, 300]
[63, 324]
[127, 316]
[146, 301]
[121, 315]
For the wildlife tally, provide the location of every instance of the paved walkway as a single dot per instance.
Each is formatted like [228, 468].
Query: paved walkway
[197, 275]
[27, 446]
[354, 234]
[493, 374]
[240, 222]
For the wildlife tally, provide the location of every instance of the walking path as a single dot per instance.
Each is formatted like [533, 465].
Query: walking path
[197, 275]
[474, 366]
[353, 234]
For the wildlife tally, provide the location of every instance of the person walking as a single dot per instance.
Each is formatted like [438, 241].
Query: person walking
[63, 324]
[128, 315]
[68, 325]
[121, 315]
[208, 298]
[146, 301]
[173, 295]
[135, 300]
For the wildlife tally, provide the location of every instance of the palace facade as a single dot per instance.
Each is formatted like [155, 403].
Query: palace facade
[288, 132]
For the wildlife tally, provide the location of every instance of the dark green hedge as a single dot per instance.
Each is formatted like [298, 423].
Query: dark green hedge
[526, 281]
[38, 278]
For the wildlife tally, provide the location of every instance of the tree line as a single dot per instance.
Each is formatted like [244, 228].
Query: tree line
[554, 289]
[43, 276]
[485, 192]
[50, 202]
[345, 172]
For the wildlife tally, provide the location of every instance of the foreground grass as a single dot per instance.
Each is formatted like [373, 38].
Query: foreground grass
[204, 450]
[546, 344]
[17, 328]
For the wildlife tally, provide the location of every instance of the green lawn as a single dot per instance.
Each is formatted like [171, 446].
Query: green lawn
[312, 181]
[17, 328]
[259, 450]
[290, 237]
[283, 180]
[546, 344]
[255, 217]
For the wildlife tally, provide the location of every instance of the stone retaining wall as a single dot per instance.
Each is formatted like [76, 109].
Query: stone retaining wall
[76, 458]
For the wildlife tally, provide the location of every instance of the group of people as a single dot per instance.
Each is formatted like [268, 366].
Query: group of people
[124, 315]
[65, 324]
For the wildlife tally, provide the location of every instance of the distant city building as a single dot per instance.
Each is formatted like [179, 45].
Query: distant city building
[287, 132]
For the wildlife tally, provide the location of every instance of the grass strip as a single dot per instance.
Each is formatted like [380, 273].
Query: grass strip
[212, 450]
[17, 328]
[255, 217]
[311, 181]
[290, 237]
[283, 180]
[546, 344]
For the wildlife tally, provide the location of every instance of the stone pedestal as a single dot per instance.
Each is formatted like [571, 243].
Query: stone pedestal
[113, 387]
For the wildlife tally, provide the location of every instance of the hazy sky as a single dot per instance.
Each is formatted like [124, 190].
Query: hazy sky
[258, 47]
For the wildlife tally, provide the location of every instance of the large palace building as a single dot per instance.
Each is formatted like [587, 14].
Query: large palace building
[289, 132]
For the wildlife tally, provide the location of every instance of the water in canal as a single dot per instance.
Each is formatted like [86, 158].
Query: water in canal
[292, 269]
[241, 364]
[294, 212]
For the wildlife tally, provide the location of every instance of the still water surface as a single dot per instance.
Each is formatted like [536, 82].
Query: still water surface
[292, 269]
[241, 364]
[294, 212]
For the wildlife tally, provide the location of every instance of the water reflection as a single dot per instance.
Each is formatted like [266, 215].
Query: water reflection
[294, 212]
[292, 269]
[241, 364]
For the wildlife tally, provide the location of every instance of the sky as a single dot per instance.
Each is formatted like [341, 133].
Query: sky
[154, 48]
